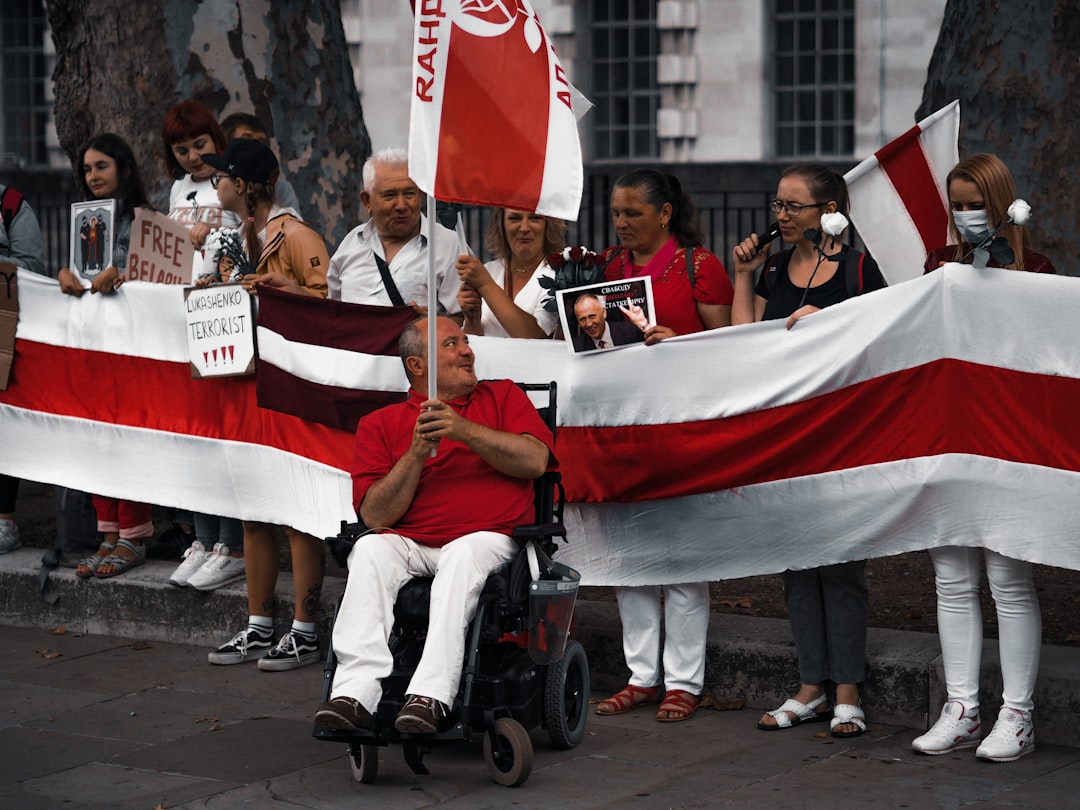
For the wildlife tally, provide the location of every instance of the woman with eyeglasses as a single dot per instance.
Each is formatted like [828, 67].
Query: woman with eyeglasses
[827, 606]
[981, 190]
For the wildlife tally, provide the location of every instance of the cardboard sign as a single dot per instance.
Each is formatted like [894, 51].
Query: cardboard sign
[220, 331]
[92, 233]
[160, 249]
[9, 317]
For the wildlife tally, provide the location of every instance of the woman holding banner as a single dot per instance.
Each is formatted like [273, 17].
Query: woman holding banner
[108, 171]
[659, 237]
[285, 253]
[981, 206]
[827, 606]
[503, 298]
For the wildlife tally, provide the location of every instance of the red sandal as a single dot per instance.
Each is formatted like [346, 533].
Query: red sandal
[679, 703]
[629, 698]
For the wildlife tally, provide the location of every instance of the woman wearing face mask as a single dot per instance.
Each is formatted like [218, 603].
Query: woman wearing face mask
[980, 192]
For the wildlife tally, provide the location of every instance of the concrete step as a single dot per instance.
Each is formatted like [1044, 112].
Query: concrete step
[749, 659]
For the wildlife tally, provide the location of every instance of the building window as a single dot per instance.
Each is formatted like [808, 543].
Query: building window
[24, 77]
[624, 44]
[814, 73]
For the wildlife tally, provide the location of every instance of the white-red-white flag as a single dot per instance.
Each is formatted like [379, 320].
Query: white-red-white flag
[492, 122]
[899, 202]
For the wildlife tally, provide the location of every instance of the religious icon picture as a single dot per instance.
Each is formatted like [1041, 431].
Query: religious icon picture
[92, 237]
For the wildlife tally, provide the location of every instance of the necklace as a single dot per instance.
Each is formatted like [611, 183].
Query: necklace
[522, 270]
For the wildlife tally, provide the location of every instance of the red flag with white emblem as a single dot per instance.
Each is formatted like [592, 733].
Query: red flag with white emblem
[492, 121]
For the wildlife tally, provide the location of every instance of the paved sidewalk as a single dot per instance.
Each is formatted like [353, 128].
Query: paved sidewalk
[100, 721]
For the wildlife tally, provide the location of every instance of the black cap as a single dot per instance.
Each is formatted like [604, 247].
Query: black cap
[247, 159]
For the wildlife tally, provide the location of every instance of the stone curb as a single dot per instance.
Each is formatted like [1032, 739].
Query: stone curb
[750, 659]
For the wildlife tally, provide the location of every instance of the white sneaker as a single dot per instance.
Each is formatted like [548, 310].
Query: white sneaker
[219, 569]
[1012, 737]
[193, 560]
[956, 728]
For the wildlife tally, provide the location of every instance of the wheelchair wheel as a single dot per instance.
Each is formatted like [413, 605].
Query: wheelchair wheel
[364, 761]
[513, 766]
[566, 697]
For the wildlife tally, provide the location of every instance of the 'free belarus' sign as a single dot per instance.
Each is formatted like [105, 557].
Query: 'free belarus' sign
[220, 331]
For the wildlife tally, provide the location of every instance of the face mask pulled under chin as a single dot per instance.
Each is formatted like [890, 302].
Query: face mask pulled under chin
[972, 225]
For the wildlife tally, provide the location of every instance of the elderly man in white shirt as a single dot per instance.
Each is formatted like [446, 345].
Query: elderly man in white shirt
[396, 236]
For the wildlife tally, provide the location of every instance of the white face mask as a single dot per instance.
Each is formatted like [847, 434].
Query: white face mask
[972, 225]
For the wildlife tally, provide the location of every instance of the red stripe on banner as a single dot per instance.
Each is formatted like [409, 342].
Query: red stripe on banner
[904, 162]
[948, 406]
[330, 405]
[159, 395]
[336, 324]
[493, 130]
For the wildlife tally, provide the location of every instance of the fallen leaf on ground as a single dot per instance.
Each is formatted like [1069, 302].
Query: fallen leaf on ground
[738, 602]
[59, 631]
[730, 705]
[207, 720]
[215, 727]
[49, 654]
[141, 645]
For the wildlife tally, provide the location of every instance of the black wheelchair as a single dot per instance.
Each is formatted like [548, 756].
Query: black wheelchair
[521, 671]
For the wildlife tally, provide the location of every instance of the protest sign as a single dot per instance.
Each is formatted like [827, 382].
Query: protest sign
[160, 249]
[605, 316]
[220, 331]
[92, 236]
[9, 316]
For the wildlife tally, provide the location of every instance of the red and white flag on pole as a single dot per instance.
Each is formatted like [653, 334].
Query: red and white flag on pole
[899, 202]
[492, 122]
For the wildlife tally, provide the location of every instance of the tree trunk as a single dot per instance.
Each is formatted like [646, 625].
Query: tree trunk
[121, 65]
[1012, 65]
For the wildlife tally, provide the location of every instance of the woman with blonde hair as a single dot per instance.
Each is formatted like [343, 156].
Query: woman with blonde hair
[504, 298]
[981, 192]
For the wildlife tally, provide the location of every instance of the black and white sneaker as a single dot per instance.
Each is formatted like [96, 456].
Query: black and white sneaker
[247, 645]
[293, 650]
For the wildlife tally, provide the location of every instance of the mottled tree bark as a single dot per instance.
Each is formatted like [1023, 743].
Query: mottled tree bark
[121, 65]
[1013, 67]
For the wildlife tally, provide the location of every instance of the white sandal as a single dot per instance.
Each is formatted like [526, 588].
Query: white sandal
[845, 713]
[804, 713]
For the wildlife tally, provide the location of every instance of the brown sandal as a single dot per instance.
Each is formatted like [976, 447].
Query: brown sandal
[677, 702]
[629, 698]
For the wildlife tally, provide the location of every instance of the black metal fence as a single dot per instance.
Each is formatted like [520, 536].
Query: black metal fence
[726, 216]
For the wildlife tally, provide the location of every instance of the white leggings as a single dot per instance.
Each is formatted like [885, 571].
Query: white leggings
[957, 572]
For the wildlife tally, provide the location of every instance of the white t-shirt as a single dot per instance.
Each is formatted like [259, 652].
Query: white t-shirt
[192, 201]
[529, 298]
[354, 275]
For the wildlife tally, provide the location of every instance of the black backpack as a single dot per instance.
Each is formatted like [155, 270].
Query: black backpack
[853, 271]
[10, 203]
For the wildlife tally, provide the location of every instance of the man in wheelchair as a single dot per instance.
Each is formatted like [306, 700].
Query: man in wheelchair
[447, 515]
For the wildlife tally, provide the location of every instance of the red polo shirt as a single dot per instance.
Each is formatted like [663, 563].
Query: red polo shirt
[459, 492]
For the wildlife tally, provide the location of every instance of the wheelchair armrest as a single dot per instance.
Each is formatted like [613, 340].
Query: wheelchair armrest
[341, 544]
[538, 530]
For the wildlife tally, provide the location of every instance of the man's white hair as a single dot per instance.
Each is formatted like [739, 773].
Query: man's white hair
[390, 156]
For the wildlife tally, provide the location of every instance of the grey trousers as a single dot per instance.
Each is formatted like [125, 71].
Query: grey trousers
[827, 610]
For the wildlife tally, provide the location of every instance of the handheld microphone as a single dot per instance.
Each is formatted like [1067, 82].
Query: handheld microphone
[768, 236]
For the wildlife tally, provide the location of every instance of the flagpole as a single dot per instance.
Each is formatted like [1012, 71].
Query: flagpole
[432, 382]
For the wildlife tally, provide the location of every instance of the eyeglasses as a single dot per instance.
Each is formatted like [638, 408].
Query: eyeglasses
[793, 209]
[217, 178]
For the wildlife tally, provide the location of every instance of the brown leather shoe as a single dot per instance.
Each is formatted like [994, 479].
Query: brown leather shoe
[343, 714]
[419, 715]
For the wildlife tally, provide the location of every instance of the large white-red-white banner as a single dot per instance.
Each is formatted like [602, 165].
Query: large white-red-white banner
[937, 412]
[491, 120]
[899, 201]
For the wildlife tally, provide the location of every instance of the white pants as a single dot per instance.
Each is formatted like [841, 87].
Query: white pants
[957, 572]
[379, 565]
[686, 624]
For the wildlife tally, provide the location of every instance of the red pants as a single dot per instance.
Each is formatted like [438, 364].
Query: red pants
[132, 520]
